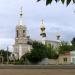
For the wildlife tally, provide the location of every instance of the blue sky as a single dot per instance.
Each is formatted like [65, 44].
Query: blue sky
[57, 18]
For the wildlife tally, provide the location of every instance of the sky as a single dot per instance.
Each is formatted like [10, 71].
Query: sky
[58, 18]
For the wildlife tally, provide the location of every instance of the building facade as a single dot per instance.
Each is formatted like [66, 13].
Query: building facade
[72, 53]
[64, 58]
[53, 43]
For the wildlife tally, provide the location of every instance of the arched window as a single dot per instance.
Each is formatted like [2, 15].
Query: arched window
[23, 33]
[17, 33]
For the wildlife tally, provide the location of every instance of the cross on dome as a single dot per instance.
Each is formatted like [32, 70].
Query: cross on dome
[21, 16]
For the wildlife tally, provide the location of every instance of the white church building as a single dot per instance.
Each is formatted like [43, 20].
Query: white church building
[22, 45]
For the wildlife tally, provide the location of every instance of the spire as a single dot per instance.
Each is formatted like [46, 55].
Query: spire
[21, 12]
[42, 33]
[42, 24]
[42, 21]
[21, 16]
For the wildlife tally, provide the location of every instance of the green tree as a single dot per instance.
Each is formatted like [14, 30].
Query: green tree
[4, 54]
[65, 47]
[73, 43]
[63, 1]
[38, 52]
[25, 59]
[51, 52]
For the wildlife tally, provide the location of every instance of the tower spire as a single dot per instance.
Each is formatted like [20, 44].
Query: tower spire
[21, 12]
[21, 16]
[43, 33]
[42, 21]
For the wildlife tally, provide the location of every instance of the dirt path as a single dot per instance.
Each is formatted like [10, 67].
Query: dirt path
[37, 71]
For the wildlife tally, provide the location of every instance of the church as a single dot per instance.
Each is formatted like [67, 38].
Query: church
[22, 41]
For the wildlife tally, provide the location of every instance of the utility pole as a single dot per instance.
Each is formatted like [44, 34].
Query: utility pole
[7, 56]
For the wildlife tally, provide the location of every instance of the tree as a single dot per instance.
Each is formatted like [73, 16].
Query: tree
[24, 59]
[51, 52]
[38, 52]
[67, 1]
[73, 43]
[65, 47]
[4, 54]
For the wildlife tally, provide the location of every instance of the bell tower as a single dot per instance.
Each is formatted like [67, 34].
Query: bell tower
[21, 45]
[21, 30]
